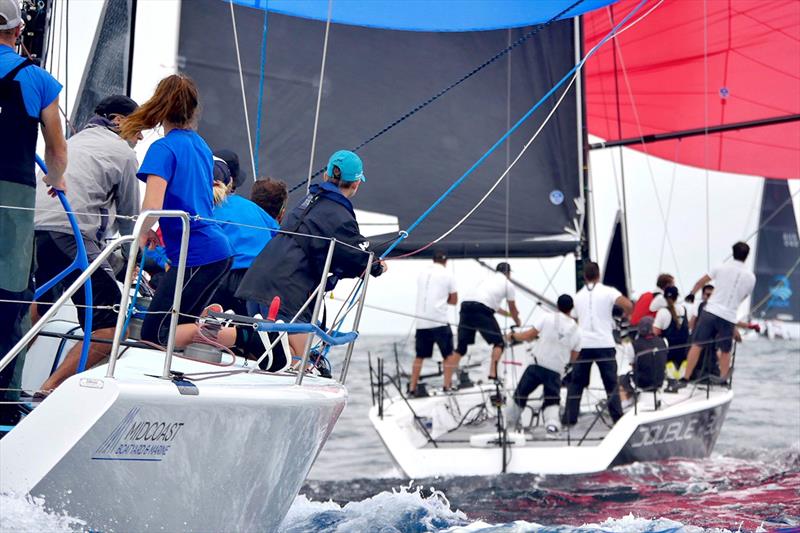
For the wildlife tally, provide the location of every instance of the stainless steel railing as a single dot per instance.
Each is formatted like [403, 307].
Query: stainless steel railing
[126, 291]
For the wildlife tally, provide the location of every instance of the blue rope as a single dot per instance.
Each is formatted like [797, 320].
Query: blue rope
[455, 84]
[261, 88]
[403, 235]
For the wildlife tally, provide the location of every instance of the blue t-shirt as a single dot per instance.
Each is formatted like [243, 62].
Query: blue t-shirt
[184, 160]
[246, 242]
[39, 88]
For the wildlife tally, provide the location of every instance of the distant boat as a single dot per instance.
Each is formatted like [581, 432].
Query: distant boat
[777, 265]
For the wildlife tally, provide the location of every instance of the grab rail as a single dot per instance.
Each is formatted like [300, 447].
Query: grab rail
[72, 289]
[334, 339]
[81, 262]
[126, 291]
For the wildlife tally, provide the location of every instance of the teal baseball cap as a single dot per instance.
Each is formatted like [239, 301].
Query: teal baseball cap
[350, 166]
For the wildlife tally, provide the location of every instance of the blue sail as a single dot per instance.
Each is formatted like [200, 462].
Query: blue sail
[431, 15]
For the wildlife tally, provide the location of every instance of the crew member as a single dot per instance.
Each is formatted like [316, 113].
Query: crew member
[594, 307]
[292, 263]
[733, 282]
[436, 289]
[477, 314]
[102, 177]
[559, 344]
[649, 303]
[178, 171]
[28, 96]
[672, 323]
[250, 228]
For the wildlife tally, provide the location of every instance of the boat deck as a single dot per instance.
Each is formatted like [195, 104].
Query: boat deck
[452, 420]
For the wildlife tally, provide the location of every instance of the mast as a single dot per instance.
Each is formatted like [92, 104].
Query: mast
[624, 207]
[583, 251]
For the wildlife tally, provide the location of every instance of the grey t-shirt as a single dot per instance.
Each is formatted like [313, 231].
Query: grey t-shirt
[101, 181]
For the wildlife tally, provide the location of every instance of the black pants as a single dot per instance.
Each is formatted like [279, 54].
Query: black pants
[534, 376]
[14, 322]
[199, 284]
[55, 252]
[225, 293]
[605, 359]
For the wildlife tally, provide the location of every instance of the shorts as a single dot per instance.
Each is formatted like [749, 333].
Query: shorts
[709, 328]
[249, 345]
[474, 316]
[442, 336]
[199, 284]
[55, 252]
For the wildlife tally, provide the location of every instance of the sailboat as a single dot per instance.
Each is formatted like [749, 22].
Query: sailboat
[159, 439]
[777, 264]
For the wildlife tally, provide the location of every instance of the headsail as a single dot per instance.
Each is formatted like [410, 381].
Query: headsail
[375, 76]
[695, 64]
[614, 273]
[777, 290]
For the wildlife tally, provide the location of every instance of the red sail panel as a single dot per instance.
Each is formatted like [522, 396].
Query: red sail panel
[658, 83]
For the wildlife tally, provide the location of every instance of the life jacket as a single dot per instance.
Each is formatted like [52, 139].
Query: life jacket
[678, 335]
[642, 307]
[18, 132]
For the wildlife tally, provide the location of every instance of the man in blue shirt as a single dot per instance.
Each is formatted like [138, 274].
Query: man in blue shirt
[28, 96]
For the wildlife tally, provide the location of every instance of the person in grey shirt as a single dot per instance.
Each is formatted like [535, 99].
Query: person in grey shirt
[103, 184]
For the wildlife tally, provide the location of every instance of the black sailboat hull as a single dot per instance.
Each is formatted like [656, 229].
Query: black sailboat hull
[692, 435]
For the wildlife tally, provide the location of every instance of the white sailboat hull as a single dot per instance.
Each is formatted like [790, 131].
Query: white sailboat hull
[687, 427]
[137, 453]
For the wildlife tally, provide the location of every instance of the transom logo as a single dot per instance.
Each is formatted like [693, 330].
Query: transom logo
[138, 439]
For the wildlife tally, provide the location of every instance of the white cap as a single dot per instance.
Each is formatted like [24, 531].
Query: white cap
[9, 10]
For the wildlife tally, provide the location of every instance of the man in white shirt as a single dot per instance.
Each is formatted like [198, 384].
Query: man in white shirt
[477, 314]
[594, 307]
[559, 344]
[733, 282]
[436, 289]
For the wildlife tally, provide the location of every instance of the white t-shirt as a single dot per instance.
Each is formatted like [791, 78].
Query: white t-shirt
[664, 317]
[658, 302]
[593, 310]
[434, 286]
[492, 291]
[558, 337]
[733, 282]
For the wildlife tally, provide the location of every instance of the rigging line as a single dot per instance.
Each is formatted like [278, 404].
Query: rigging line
[669, 202]
[241, 83]
[572, 73]
[66, 63]
[500, 179]
[769, 218]
[261, 92]
[536, 29]
[705, 134]
[319, 96]
[651, 174]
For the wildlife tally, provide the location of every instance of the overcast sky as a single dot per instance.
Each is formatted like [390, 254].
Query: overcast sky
[678, 247]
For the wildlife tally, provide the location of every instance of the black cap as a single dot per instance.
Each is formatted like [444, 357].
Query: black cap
[671, 292]
[117, 104]
[221, 171]
[237, 173]
[504, 267]
[439, 255]
[565, 303]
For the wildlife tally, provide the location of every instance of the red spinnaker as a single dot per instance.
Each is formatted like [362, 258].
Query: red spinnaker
[751, 52]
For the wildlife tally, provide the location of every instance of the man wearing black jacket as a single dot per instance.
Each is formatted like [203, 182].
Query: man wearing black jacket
[291, 265]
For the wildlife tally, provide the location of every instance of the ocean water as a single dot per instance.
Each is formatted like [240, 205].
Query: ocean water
[750, 483]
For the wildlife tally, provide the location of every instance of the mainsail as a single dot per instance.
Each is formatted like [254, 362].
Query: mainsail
[372, 78]
[777, 290]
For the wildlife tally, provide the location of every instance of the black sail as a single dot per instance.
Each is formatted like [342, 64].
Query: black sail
[614, 272]
[372, 78]
[107, 67]
[777, 290]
